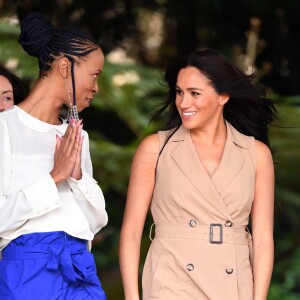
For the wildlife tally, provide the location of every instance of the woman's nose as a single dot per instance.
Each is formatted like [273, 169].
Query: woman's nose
[96, 88]
[185, 102]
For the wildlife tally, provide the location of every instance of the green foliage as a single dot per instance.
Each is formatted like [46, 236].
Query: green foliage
[286, 140]
[119, 119]
[11, 52]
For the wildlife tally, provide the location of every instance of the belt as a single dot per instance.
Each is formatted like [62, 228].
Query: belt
[215, 233]
[59, 256]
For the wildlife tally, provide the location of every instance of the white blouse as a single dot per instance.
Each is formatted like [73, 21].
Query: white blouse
[30, 201]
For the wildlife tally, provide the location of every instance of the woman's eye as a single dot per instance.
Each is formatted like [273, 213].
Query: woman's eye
[7, 99]
[178, 92]
[195, 94]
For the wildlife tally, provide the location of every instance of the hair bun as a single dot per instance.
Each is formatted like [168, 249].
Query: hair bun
[36, 32]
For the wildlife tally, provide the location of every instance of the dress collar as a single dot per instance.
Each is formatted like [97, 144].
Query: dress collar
[36, 124]
[237, 138]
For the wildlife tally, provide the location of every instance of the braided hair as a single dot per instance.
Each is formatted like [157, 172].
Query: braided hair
[40, 39]
[248, 109]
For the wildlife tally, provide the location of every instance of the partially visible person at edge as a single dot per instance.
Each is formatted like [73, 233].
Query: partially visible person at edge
[12, 89]
[50, 207]
[203, 176]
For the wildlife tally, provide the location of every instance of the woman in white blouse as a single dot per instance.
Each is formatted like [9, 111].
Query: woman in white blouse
[50, 205]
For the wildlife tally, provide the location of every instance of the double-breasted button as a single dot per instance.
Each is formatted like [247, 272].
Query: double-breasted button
[190, 267]
[228, 224]
[193, 223]
[229, 271]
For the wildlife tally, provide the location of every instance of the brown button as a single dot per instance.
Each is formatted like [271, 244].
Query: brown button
[228, 224]
[193, 223]
[229, 271]
[190, 267]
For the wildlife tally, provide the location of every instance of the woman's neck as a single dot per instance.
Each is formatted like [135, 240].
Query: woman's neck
[43, 102]
[212, 134]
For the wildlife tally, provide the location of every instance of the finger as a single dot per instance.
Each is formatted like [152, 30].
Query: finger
[70, 127]
[77, 173]
[70, 139]
[79, 132]
[74, 150]
[74, 141]
[80, 146]
[58, 142]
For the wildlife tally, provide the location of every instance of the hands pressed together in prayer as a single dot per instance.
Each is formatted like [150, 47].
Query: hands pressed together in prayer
[67, 156]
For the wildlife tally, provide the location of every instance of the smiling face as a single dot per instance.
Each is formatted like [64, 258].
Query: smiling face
[6, 94]
[86, 75]
[197, 101]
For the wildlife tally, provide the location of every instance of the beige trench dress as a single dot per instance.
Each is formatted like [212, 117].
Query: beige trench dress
[201, 248]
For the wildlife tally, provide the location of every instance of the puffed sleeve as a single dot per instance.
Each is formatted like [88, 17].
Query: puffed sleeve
[28, 203]
[88, 193]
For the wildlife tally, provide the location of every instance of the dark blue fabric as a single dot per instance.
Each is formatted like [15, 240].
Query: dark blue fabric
[48, 266]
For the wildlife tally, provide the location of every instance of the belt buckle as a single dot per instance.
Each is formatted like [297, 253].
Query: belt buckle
[211, 233]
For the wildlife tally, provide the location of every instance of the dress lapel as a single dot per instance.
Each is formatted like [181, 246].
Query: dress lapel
[186, 157]
[232, 159]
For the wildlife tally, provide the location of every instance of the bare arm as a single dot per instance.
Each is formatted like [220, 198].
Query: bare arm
[141, 185]
[262, 222]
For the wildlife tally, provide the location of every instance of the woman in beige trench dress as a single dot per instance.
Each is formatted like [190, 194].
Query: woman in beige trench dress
[203, 177]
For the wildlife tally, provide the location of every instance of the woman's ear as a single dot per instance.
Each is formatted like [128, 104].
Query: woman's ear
[223, 99]
[64, 66]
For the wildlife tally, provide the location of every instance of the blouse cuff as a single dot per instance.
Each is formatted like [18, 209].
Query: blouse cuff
[83, 186]
[43, 195]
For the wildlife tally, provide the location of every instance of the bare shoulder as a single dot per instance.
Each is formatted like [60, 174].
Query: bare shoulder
[263, 153]
[147, 152]
[150, 144]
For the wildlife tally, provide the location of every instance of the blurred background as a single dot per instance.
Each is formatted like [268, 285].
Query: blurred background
[140, 38]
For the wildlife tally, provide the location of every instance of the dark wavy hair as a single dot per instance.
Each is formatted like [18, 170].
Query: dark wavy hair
[40, 39]
[248, 108]
[19, 88]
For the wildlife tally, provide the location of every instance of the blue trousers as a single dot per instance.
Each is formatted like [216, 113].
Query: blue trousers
[48, 266]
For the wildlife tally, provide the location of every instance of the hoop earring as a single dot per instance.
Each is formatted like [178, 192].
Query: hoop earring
[72, 111]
